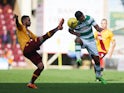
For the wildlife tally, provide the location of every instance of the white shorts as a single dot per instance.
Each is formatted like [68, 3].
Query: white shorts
[91, 47]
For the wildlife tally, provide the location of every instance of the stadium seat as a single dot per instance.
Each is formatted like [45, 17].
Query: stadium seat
[7, 23]
[7, 9]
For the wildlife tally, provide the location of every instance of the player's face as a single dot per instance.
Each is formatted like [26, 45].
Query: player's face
[28, 21]
[82, 18]
[104, 24]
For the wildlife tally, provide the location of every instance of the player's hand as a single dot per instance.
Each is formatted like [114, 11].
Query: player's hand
[74, 33]
[60, 26]
[100, 29]
[15, 16]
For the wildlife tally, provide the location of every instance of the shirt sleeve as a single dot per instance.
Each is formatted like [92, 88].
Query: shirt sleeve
[93, 22]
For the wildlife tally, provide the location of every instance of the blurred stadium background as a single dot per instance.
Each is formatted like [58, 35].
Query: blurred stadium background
[58, 52]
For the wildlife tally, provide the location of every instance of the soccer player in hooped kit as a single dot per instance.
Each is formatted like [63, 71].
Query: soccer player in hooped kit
[85, 39]
[30, 43]
[105, 42]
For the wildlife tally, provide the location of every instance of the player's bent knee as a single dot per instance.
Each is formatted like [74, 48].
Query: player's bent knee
[78, 40]
[40, 66]
[96, 59]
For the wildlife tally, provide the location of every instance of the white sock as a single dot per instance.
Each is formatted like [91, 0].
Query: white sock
[78, 50]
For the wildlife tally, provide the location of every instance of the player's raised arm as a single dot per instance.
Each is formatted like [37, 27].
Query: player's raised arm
[18, 25]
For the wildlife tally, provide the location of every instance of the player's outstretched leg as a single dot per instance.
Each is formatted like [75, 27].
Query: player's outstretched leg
[60, 26]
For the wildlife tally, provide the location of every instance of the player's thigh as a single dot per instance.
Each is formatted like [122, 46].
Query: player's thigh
[32, 46]
[34, 57]
[92, 48]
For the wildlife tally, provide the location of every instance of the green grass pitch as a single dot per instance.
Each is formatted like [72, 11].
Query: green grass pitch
[61, 81]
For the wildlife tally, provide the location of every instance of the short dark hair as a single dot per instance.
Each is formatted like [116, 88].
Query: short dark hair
[104, 20]
[78, 14]
[24, 17]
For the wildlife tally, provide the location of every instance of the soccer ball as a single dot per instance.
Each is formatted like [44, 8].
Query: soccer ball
[72, 23]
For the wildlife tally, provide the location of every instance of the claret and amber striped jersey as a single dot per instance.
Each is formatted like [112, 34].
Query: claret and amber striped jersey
[106, 37]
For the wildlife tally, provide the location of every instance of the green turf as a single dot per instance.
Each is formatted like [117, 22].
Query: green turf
[61, 81]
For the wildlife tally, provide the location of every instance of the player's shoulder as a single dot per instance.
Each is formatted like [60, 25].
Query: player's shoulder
[88, 17]
[109, 30]
[21, 27]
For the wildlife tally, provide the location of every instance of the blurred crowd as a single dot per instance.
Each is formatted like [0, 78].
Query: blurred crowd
[9, 47]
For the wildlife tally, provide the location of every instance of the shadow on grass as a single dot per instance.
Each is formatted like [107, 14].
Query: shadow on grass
[63, 88]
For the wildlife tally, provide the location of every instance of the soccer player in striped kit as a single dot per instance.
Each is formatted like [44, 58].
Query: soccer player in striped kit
[85, 39]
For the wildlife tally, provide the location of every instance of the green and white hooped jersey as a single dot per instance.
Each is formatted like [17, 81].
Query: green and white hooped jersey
[85, 28]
